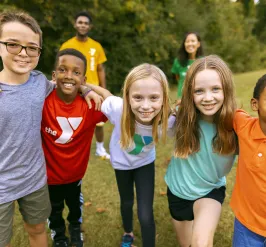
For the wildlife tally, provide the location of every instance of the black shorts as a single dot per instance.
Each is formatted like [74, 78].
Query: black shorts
[182, 209]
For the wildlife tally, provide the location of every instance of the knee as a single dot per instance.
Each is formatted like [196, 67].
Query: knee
[146, 219]
[127, 204]
[35, 229]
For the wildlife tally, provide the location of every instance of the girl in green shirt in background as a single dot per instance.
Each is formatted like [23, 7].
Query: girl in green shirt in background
[189, 51]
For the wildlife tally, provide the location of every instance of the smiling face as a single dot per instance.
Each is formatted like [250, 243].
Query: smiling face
[208, 93]
[145, 99]
[69, 75]
[191, 45]
[20, 64]
[82, 26]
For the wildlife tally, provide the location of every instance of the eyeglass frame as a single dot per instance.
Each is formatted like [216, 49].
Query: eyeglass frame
[22, 47]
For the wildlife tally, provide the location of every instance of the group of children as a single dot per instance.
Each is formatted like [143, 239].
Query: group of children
[47, 127]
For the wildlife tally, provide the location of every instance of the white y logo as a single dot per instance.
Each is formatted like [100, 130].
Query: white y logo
[92, 51]
[67, 131]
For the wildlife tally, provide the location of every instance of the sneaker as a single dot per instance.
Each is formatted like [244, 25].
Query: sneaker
[76, 236]
[102, 154]
[61, 243]
[127, 241]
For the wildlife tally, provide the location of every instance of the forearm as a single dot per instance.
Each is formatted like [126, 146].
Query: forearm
[101, 76]
[99, 90]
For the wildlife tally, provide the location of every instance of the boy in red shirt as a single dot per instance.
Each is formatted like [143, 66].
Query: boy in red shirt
[67, 130]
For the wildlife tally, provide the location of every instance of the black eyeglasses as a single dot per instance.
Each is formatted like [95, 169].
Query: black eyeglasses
[15, 49]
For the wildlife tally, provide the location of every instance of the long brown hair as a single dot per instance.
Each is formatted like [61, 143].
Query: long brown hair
[188, 133]
[128, 118]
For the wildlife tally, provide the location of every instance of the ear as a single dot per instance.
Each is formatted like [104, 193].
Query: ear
[84, 81]
[199, 44]
[54, 76]
[254, 104]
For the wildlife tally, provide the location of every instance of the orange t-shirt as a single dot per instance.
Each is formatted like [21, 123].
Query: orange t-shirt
[249, 195]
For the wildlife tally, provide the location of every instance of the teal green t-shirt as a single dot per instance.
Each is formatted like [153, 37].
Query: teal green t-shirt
[178, 69]
[201, 172]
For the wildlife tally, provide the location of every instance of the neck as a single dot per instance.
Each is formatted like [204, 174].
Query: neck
[192, 56]
[68, 99]
[81, 37]
[262, 126]
[9, 77]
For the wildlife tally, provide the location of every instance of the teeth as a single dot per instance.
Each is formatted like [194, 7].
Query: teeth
[145, 114]
[208, 106]
[68, 85]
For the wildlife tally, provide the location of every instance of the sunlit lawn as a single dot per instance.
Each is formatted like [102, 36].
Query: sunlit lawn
[104, 229]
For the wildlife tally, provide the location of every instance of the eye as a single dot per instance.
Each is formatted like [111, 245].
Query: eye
[32, 48]
[77, 73]
[154, 97]
[13, 45]
[216, 89]
[137, 97]
[198, 91]
[60, 69]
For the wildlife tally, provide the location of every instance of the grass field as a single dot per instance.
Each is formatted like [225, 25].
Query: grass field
[104, 229]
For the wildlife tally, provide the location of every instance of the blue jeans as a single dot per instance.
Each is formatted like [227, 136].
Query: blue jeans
[243, 237]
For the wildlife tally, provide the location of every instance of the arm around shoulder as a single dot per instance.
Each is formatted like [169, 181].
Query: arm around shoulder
[101, 91]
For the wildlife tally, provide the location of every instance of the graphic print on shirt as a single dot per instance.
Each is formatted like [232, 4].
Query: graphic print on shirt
[139, 143]
[68, 125]
[92, 59]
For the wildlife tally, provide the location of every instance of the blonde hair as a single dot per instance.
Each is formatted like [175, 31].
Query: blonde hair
[128, 118]
[188, 133]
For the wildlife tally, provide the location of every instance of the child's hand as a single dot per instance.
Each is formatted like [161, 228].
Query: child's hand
[96, 98]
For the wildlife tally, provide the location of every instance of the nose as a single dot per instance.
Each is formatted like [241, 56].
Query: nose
[208, 96]
[146, 104]
[23, 52]
[68, 74]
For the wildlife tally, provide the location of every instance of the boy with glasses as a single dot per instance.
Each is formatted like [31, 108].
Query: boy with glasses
[22, 94]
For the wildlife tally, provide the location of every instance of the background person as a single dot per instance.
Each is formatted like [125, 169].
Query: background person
[95, 74]
[190, 49]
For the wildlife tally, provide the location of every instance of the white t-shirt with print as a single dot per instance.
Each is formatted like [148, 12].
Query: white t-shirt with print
[142, 151]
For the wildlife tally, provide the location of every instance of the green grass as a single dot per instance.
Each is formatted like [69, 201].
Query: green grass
[99, 187]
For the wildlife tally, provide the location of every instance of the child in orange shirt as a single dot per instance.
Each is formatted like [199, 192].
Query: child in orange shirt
[249, 195]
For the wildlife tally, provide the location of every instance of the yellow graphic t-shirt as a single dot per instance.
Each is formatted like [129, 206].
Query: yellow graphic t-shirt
[93, 52]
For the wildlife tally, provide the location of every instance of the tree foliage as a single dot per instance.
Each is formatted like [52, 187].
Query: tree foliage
[137, 31]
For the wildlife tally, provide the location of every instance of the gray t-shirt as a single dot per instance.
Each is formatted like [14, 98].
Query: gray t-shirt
[22, 163]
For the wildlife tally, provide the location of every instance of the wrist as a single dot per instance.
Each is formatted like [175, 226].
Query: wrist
[86, 93]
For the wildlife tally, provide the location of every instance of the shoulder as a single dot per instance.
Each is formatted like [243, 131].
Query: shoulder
[38, 75]
[113, 101]
[241, 119]
[112, 107]
[93, 41]
[175, 66]
[68, 42]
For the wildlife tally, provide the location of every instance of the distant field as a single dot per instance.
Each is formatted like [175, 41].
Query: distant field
[99, 188]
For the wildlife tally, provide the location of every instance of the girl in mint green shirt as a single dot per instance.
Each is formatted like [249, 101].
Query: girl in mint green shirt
[204, 152]
[190, 49]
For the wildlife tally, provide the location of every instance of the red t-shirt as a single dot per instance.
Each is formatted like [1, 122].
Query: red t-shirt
[67, 131]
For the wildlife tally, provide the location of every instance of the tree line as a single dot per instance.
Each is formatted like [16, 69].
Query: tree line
[137, 31]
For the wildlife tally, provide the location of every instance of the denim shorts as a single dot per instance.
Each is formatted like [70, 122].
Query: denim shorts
[243, 237]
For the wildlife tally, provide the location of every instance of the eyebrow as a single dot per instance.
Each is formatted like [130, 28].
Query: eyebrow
[17, 41]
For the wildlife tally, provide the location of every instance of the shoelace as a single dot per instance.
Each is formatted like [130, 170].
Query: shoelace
[126, 244]
[127, 241]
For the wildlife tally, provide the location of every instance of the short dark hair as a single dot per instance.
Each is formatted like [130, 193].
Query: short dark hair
[259, 87]
[71, 52]
[83, 13]
[183, 56]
